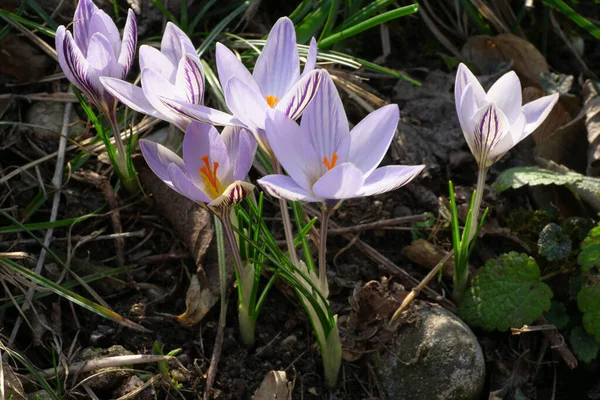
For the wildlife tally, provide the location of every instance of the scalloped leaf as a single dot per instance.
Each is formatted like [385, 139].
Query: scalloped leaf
[588, 301]
[506, 293]
[584, 345]
[557, 315]
[589, 256]
[553, 243]
[533, 176]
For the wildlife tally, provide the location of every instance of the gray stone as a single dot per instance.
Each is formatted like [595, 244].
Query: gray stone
[49, 115]
[434, 357]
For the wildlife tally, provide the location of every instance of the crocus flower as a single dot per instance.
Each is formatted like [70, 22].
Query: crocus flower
[276, 83]
[213, 167]
[94, 50]
[326, 161]
[494, 122]
[174, 72]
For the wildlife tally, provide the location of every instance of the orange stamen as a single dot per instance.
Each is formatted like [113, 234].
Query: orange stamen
[209, 175]
[329, 165]
[272, 100]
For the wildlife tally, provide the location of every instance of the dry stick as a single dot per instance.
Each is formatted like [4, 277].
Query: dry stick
[77, 238]
[56, 183]
[417, 289]
[108, 362]
[384, 223]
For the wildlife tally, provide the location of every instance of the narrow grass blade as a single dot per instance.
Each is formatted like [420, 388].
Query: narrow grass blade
[15, 19]
[310, 24]
[583, 22]
[333, 10]
[36, 226]
[220, 26]
[363, 14]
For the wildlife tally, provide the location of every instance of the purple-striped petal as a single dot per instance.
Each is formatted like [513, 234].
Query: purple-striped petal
[463, 77]
[311, 58]
[81, 24]
[278, 66]
[190, 79]
[184, 186]
[158, 62]
[284, 187]
[386, 179]
[326, 122]
[79, 68]
[130, 95]
[201, 113]
[102, 23]
[241, 148]
[129, 43]
[537, 111]
[246, 103]
[229, 66]
[301, 94]
[294, 150]
[491, 126]
[505, 93]
[201, 141]
[232, 196]
[61, 34]
[341, 182]
[371, 138]
[159, 158]
[156, 86]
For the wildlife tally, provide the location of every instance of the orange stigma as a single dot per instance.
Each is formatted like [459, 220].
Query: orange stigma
[272, 100]
[209, 175]
[331, 164]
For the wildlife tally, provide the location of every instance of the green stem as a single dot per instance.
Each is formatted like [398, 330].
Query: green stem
[325, 213]
[235, 251]
[129, 182]
[478, 197]
[285, 217]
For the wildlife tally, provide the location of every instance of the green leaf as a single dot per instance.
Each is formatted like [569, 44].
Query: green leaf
[557, 315]
[506, 293]
[588, 301]
[533, 176]
[584, 345]
[556, 83]
[553, 243]
[589, 256]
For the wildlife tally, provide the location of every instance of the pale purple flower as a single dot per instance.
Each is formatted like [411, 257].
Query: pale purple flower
[94, 50]
[326, 161]
[213, 167]
[494, 122]
[174, 72]
[276, 83]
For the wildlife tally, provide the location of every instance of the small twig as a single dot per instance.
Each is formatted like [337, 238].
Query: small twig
[557, 342]
[384, 223]
[108, 362]
[417, 289]
[76, 238]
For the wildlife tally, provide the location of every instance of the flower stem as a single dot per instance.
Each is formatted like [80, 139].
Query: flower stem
[235, 251]
[477, 204]
[130, 182]
[285, 217]
[325, 213]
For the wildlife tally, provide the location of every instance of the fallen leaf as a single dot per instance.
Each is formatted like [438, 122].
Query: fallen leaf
[12, 388]
[275, 385]
[21, 59]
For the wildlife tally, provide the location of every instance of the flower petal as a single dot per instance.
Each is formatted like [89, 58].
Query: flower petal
[73, 61]
[232, 196]
[229, 66]
[201, 113]
[246, 103]
[284, 187]
[190, 79]
[292, 147]
[61, 34]
[537, 111]
[155, 86]
[326, 122]
[301, 94]
[371, 138]
[158, 62]
[463, 77]
[311, 58]
[241, 148]
[103, 24]
[101, 58]
[506, 94]
[129, 43]
[175, 43]
[342, 182]
[386, 179]
[184, 186]
[491, 127]
[81, 23]
[130, 95]
[278, 66]
[466, 113]
[202, 140]
[159, 158]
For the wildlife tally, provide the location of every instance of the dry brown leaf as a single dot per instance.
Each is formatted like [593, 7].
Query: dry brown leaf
[21, 59]
[13, 388]
[193, 225]
[488, 52]
[274, 386]
[591, 102]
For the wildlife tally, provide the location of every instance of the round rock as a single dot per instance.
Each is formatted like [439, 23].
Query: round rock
[435, 356]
